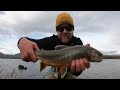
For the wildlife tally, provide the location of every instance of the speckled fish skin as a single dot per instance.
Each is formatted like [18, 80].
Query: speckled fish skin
[64, 57]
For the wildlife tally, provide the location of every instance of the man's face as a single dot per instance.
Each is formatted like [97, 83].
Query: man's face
[65, 32]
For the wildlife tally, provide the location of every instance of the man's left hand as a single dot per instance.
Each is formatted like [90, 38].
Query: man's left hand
[79, 65]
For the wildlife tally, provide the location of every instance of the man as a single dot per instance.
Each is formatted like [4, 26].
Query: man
[64, 29]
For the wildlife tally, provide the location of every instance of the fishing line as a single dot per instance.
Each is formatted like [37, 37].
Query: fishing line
[47, 73]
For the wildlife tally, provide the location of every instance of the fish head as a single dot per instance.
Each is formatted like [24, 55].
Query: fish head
[95, 56]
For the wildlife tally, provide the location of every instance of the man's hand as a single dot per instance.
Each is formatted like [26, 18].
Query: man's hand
[27, 48]
[79, 65]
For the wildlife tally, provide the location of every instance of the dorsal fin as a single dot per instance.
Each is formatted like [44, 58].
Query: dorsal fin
[59, 47]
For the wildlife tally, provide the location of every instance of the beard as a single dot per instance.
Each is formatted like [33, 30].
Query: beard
[65, 38]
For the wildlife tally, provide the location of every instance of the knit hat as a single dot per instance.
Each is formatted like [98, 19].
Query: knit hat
[64, 18]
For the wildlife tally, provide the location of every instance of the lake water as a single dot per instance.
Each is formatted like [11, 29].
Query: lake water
[107, 69]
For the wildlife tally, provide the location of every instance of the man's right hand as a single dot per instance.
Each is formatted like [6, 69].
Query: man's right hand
[27, 48]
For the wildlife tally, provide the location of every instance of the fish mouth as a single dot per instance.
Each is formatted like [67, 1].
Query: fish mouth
[97, 60]
[100, 59]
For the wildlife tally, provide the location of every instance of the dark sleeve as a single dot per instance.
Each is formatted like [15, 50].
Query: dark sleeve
[77, 41]
[44, 43]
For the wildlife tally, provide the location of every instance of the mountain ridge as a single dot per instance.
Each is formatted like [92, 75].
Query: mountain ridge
[10, 56]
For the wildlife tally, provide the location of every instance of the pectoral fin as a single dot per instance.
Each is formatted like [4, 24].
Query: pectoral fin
[42, 66]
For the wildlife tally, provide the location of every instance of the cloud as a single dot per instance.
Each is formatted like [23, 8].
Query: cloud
[39, 21]
[30, 21]
[85, 21]
[101, 29]
[2, 48]
[94, 21]
[8, 45]
[2, 12]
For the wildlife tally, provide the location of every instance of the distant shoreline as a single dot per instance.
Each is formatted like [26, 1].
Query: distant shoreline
[16, 56]
[111, 57]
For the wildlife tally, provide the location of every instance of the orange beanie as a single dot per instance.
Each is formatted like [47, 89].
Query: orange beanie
[64, 18]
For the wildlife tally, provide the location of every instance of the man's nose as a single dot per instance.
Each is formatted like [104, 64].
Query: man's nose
[64, 31]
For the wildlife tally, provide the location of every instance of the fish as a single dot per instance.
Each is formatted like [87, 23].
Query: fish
[63, 55]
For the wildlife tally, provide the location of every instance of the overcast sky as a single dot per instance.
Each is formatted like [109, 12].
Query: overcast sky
[99, 28]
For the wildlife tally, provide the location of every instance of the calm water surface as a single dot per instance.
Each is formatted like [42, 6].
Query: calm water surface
[107, 69]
